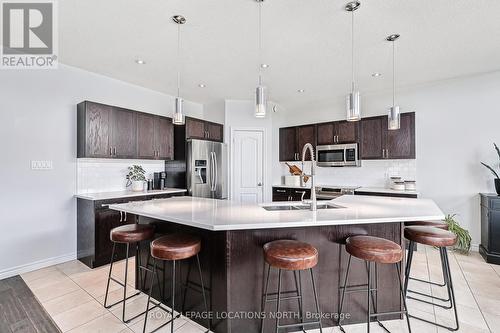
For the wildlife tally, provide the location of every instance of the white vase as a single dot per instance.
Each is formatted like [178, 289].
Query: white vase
[137, 185]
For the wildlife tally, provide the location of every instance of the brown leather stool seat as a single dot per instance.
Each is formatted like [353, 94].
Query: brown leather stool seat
[290, 255]
[175, 246]
[430, 236]
[435, 224]
[132, 233]
[375, 249]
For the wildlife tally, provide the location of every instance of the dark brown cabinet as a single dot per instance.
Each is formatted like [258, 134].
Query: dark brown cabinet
[94, 130]
[378, 142]
[155, 137]
[337, 132]
[204, 130]
[288, 144]
[490, 228]
[124, 133]
[372, 143]
[290, 194]
[325, 133]
[113, 132]
[293, 139]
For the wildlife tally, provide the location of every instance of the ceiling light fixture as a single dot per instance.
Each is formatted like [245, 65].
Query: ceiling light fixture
[264, 65]
[394, 121]
[201, 85]
[178, 118]
[353, 100]
[301, 90]
[140, 62]
[261, 91]
[376, 74]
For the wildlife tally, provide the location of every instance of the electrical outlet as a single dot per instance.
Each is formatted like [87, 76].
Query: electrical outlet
[41, 165]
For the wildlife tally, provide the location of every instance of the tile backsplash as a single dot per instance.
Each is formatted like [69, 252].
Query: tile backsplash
[370, 174]
[105, 175]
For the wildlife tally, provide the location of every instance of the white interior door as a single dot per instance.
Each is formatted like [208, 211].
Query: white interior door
[247, 171]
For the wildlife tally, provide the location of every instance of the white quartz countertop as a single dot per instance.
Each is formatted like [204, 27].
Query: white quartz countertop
[126, 194]
[384, 190]
[218, 215]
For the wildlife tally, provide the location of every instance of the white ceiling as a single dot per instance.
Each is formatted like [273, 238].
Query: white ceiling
[306, 43]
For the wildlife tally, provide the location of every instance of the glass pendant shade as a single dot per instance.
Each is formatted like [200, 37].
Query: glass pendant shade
[394, 121]
[260, 101]
[178, 118]
[353, 107]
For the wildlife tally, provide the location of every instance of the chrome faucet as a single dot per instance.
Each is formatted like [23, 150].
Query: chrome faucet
[309, 147]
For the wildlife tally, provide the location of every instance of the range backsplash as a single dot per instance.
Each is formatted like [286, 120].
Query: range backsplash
[107, 175]
[370, 174]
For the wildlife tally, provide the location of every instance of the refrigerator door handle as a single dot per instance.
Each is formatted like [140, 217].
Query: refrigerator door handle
[216, 177]
[212, 171]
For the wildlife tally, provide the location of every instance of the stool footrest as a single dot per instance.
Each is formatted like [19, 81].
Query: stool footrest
[388, 313]
[122, 300]
[434, 323]
[431, 303]
[429, 282]
[308, 323]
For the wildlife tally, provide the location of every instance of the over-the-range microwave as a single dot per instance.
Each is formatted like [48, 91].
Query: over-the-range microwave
[338, 155]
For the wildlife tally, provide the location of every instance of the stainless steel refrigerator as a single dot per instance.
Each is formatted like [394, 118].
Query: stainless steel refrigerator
[206, 169]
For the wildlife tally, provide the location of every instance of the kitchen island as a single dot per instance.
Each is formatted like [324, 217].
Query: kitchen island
[233, 235]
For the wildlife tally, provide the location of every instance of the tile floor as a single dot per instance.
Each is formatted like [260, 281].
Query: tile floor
[73, 295]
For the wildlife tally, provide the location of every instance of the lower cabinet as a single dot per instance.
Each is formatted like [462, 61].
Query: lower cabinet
[94, 224]
[290, 194]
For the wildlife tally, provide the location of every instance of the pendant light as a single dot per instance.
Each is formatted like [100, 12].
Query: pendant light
[261, 90]
[352, 100]
[178, 118]
[394, 121]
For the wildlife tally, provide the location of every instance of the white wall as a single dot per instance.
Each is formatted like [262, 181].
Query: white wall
[457, 122]
[38, 122]
[239, 114]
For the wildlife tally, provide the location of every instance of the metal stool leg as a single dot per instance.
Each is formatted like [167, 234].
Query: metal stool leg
[173, 297]
[109, 276]
[318, 311]
[343, 294]
[298, 287]
[278, 302]
[369, 294]
[203, 292]
[264, 298]
[125, 284]
[149, 296]
[401, 290]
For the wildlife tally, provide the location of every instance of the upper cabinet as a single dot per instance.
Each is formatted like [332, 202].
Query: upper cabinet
[204, 130]
[337, 132]
[155, 137]
[375, 141]
[105, 131]
[293, 139]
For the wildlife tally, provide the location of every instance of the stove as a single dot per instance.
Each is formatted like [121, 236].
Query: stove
[332, 192]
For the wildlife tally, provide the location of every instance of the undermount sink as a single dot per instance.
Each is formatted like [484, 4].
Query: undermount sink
[299, 207]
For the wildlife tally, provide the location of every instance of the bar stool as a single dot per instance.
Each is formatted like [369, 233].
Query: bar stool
[295, 256]
[175, 247]
[379, 251]
[128, 234]
[435, 224]
[441, 239]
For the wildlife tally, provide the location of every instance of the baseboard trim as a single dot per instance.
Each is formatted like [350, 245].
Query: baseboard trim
[6, 273]
[474, 247]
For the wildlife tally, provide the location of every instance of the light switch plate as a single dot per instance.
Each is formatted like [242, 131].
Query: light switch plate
[41, 165]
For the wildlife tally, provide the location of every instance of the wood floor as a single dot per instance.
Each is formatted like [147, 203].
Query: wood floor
[20, 312]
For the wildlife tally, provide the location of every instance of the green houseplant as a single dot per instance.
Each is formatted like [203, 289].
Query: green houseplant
[463, 236]
[497, 178]
[136, 177]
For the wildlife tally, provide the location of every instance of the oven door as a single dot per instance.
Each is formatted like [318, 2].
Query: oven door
[330, 156]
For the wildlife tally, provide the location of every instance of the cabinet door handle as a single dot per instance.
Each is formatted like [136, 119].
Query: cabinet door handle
[111, 151]
[125, 218]
[387, 153]
[383, 153]
[114, 151]
[121, 216]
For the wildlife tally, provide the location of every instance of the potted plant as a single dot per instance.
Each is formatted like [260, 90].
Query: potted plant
[463, 235]
[497, 178]
[136, 177]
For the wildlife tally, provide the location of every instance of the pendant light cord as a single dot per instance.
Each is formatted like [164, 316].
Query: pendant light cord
[260, 41]
[352, 50]
[178, 60]
[393, 73]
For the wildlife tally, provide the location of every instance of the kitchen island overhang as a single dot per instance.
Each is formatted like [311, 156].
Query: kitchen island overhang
[232, 257]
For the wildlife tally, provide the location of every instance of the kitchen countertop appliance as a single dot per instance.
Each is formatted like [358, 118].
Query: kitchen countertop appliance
[206, 169]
